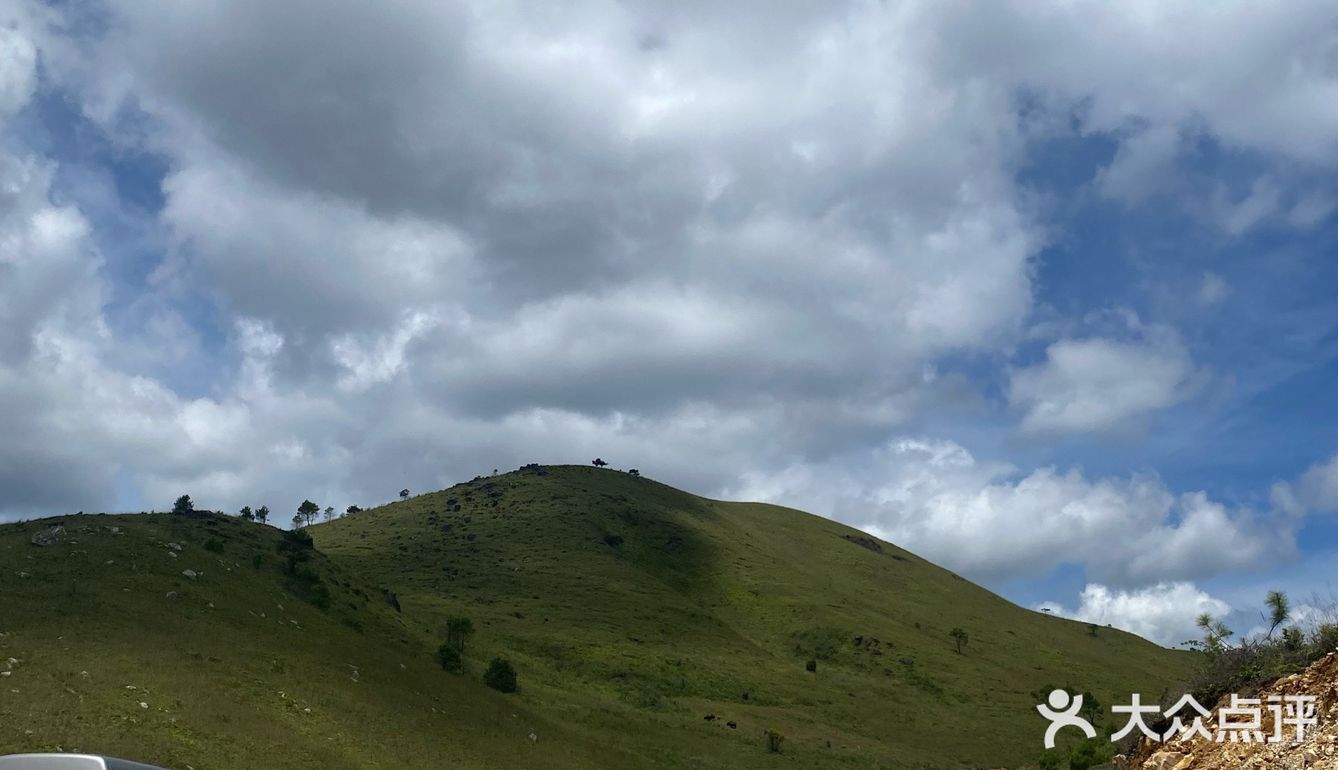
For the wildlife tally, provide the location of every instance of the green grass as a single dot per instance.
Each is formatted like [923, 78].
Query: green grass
[630, 609]
[702, 602]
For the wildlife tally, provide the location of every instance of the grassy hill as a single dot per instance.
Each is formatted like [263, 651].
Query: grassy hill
[631, 611]
[634, 610]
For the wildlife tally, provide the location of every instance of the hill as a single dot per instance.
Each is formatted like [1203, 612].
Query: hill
[635, 610]
[632, 611]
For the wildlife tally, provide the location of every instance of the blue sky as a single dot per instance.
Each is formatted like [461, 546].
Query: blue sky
[1041, 291]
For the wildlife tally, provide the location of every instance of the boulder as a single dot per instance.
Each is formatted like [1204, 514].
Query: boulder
[48, 536]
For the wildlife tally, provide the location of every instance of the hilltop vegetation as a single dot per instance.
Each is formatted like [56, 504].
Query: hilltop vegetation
[644, 627]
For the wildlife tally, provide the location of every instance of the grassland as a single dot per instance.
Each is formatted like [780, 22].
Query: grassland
[631, 610]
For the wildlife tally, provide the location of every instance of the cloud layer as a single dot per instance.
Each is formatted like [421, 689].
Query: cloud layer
[403, 247]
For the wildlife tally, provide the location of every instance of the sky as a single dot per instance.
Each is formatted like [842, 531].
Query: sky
[1042, 291]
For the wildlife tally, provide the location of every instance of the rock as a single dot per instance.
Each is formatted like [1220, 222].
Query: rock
[171, 595]
[190, 573]
[48, 536]
[143, 705]
[1164, 760]
[174, 546]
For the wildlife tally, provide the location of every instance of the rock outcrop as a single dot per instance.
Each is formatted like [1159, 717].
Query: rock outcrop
[1318, 751]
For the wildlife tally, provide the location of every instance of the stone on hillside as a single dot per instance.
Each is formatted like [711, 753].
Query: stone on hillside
[190, 573]
[48, 536]
[174, 546]
[171, 595]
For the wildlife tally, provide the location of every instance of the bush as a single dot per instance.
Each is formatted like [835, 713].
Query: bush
[812, 665]
[500, 676]
[774, 739]
[449, 658]
[183, 506]
[213, 545]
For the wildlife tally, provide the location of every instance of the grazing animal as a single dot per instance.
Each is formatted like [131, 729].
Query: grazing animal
[710, 717]
[732, 725]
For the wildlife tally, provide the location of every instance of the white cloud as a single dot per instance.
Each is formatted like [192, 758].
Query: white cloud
[1143, 165]
[1164, 612]
[987, 520]
[1315, 491]
[18, 69]
[1100, 385]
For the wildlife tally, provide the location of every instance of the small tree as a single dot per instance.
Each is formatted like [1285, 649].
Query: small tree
[449, 658]
[774, 739]
[458, 631]
[352, 509]
[598, 463]
[404, 493]
[308, 510]
[500, 676]
[633, 472]
[1215, 634]
[329, 512]
[246, 513]
[1091, 629]
[183, 506]
[1279, 610]
[262, 514]
[959, 638]
[297, 520]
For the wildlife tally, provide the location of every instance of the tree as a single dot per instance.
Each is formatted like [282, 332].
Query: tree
[458, 631]
[262, 514]
[246, 513]
[297, 520]
[598, 463]
[633, 472]
[404, 493]
[1279, 610]
[959, 638]
[500, 676]
[1091, 629]
[1215, 634]
[183, 506]
[352, 509]
[308, 510]
[449, 658]
[329, 512]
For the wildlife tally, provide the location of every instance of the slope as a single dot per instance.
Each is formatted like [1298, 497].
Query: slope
[185, 641]
[634, 611]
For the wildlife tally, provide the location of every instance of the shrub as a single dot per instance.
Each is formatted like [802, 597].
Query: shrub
[774, 739]
[214, 545]
[296, 546]
[449, 658]
[812, 665]
[183, 506]
[500, 676]
[258, 560]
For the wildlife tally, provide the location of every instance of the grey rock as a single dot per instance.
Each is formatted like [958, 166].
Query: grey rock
[48, 536]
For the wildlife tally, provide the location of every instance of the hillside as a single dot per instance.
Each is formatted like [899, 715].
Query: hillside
[631, 610]
[106, 646]
[635, 610]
